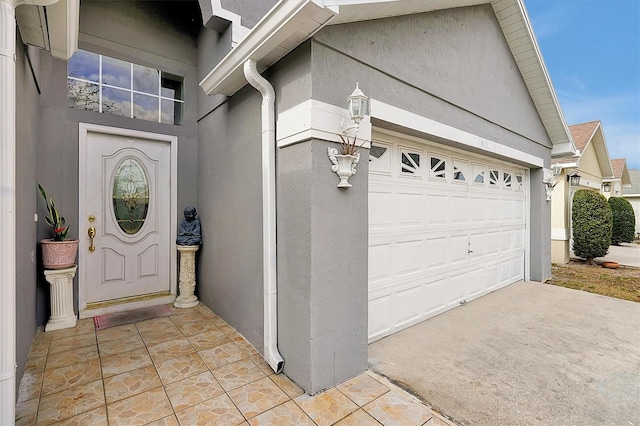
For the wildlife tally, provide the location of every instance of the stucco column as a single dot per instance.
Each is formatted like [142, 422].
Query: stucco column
[7, 211]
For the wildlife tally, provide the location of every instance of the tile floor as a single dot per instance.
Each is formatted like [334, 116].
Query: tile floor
[190, 368]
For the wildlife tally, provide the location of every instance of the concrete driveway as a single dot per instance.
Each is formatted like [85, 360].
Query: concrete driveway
[530, 353]
[627, 254]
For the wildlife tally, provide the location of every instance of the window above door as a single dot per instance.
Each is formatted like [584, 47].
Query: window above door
[108, 85]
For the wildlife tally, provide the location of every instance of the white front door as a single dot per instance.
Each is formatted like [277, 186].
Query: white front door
[126, 197]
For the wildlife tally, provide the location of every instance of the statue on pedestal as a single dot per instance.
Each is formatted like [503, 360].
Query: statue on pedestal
[188, 240]
[189, 232]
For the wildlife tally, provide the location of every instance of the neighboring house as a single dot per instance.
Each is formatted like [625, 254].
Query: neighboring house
[450, 206]
[613, 187]
[632, 194]
[591, 163]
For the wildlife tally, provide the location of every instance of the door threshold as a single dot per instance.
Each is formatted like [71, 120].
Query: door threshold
[126, 304]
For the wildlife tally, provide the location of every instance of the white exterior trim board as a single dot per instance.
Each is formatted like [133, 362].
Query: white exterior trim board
[560, 234]
[409, 120]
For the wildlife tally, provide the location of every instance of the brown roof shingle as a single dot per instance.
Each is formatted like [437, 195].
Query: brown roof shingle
[618, 167]
[581, 133]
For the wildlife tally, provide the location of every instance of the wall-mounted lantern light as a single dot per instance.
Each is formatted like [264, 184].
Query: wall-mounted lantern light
[557, 169]
[574, 179]
[606, 187]
[357, 103]
[344, 161]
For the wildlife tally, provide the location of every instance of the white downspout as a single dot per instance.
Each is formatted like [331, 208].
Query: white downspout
[7, 212]
[269, 259]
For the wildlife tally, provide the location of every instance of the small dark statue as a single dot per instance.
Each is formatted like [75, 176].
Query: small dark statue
[189, 232]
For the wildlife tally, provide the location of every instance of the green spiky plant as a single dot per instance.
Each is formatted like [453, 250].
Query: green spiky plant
[350, 145]
[54, 220]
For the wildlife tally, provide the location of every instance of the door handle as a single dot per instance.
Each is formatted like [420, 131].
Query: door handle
[92, 233]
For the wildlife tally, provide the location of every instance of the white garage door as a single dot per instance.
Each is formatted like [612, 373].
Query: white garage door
[445, 227]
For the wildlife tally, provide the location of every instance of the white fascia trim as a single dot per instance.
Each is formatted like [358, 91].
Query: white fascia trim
[63, 24]
[395, 115]
[282, 28]
[313, 119]
[563, 150]
[559, 234]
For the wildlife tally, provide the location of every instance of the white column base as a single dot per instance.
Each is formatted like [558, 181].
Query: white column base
[62, 315]
[187, 278]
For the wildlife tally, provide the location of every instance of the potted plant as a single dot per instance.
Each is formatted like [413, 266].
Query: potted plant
[344, 163]
[57, 252]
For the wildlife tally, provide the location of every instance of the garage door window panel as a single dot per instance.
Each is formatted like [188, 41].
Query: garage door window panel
[380, 158]
[460, 170]
[478, 174]
[410, 163]
[438, 167]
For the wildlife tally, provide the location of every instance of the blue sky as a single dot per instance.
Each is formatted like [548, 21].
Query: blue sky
[592, 52]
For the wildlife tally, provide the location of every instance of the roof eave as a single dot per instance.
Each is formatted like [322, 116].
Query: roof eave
[282, 29]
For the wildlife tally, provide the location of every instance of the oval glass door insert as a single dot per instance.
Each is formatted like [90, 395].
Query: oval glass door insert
[130, 196]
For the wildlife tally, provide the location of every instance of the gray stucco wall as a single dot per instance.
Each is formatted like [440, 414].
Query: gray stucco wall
[251, 11]
[131, 33]
[230, 210]
[27, 133]
[452, 66]
[322, 267]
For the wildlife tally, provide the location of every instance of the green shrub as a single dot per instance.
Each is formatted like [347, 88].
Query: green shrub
[624, 221]
[591, 223]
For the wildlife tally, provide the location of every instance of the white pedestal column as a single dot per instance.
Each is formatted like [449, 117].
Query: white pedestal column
[187, 277]
[62, 315]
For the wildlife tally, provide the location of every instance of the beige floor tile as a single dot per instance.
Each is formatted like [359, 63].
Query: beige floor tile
[395, 408]
[231, 332]
[359, 418]
[257, 397]
[72, 357]
[83, 326]
[57, 379]
[222, 355]
[171, 349]
[140, 409]
[127, 361]
[154, 324]
[39, 349]
[165, 421]
[362, 389]
[71, 402]
[180, 368]
[237, 374]
[182, 311]
[97, 417]
[206, 312]
[41, 336]
[30, 386]
[215, 411]
[126, 344]
[187, 318]
[327, 407]
[26, 412]
[437, 420]
[73, 342]
[154, 337]
[283, 415]
[262, 364]
[35, 364]
[131, 383]
[116, 333]
[245, 346]
[287, 385]
[197, 327]
[208, 339]
[193, 390]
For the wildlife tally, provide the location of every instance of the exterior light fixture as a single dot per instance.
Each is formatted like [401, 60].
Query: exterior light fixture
[574, 179]
[606, 187]
[557, 169]
[357, 106]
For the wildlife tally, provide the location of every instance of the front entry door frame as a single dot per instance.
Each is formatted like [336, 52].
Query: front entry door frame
[84, 130]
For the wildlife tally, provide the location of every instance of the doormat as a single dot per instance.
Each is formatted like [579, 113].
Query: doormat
[111, 320]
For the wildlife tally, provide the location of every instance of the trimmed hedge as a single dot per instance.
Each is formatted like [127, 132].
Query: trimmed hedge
[624, 221]
[592, 223]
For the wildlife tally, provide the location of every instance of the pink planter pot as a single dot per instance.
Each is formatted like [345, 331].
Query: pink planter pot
[59, 254]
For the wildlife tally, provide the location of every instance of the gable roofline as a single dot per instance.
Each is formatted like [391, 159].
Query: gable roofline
[620, 171]
[595, 137]
[291, 22]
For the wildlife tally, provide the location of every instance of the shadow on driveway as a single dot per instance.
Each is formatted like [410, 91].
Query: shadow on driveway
[530, 353]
